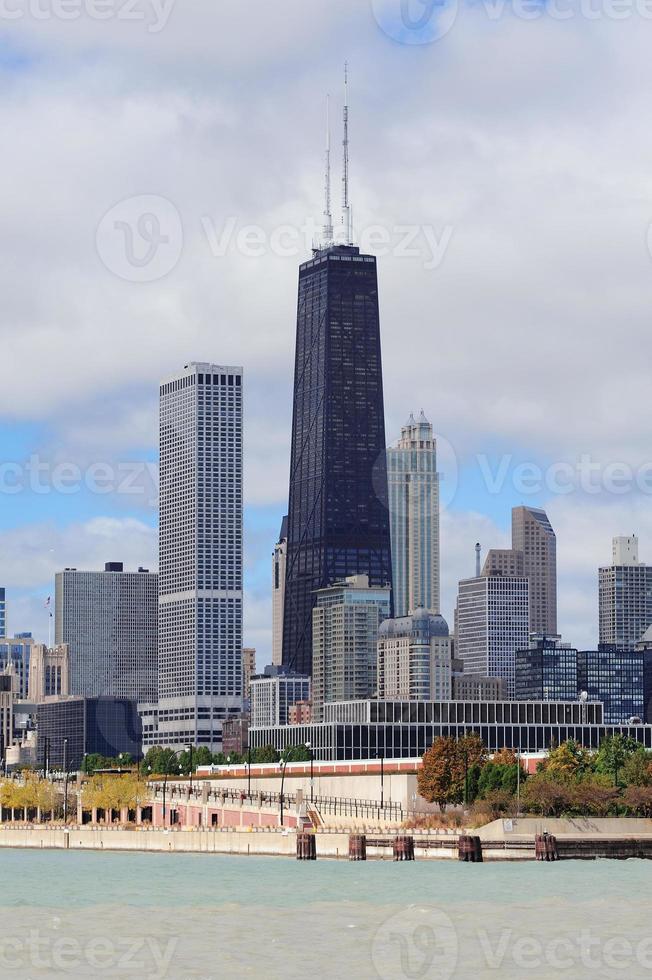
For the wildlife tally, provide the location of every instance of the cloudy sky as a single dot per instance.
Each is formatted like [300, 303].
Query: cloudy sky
[161, 176]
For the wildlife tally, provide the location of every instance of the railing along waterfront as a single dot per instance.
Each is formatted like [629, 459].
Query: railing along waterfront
[326, 805]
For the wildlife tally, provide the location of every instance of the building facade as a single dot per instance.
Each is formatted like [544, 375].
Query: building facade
[534, 537]
[17, 650]
[235, 735]
[3, 613]
[8, 694]
[406, 729]
[345, 626]
[625, 596]
[477, 687]
[279, 568]
[413, 486]
[617, 678]
[107, 726]
[49, 672]
[504, 561]
[338, 518]
[248, 668]
[200, 672]
[300, 713]
[108, 621]
[273, 693]
[492, 624]
[546, 671]
[414, 658]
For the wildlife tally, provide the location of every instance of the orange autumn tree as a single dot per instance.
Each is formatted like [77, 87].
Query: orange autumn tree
[445, 768]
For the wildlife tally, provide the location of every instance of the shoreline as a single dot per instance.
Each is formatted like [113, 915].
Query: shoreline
[499, 841]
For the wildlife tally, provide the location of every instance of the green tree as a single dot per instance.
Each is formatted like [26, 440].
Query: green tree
[613, 754]
[637, 770]
[266, 753]
[296, 753]
[161, 762]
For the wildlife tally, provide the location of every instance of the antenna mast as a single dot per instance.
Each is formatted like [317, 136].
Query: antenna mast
[346, 205]
[328, 217]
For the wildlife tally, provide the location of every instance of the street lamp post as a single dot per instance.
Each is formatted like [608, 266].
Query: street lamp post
[382, 781]
[249, 772]
[190, 750]
[518, 782]
[282, 764]
[312, 778]
[165, 786]
[65, 780]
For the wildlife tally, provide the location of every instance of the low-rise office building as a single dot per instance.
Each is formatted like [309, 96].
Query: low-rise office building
[106, 726]
[406, 729]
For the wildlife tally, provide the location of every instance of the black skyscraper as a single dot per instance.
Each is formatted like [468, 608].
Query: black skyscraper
[338, 522]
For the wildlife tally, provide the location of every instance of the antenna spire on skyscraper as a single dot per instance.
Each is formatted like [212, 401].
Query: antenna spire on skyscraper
[328, 217]
[346, 204]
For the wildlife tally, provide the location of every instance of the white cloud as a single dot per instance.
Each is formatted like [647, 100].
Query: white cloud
[533, 333]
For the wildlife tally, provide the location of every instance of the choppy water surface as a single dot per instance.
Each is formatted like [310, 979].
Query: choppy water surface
[209, 917]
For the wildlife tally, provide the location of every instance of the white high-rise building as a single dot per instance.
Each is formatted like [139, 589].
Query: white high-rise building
[279, 565]
[625, 596]
[109, 622]
[625, 550]
[200, 668]
[492, 624]
[273, 693]
[414, 518]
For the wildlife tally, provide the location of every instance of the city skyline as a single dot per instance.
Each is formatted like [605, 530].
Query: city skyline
[206, 307]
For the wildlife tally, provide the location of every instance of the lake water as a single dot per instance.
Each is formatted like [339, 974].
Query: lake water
[201, 917]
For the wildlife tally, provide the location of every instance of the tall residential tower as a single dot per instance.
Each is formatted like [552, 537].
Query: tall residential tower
[414, 516]
[625, 596]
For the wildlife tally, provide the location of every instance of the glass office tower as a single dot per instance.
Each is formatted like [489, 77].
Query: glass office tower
[338, 519]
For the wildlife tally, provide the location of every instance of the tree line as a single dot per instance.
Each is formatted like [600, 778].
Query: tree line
[615, 780]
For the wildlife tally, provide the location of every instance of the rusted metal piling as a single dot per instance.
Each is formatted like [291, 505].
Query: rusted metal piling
[306, 847]
[404, 848]
[357, 847]
[469, 849]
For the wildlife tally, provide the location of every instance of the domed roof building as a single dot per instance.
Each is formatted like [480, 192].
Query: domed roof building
[414, 658]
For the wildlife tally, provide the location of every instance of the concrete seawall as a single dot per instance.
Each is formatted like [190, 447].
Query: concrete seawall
[277, 843]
